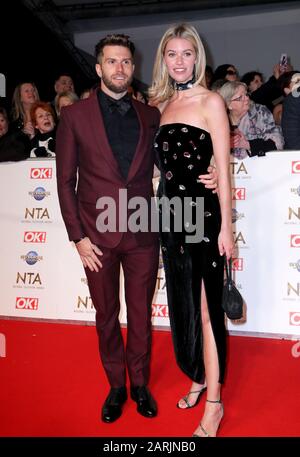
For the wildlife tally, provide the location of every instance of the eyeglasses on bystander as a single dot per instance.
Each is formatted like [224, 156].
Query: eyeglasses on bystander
[240, 98]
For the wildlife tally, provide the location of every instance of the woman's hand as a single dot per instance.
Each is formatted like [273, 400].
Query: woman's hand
[238, 140]
[210, 180]
[226, 242]
[29, 129]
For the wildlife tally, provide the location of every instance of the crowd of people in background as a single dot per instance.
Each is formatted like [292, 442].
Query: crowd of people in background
[263, 115]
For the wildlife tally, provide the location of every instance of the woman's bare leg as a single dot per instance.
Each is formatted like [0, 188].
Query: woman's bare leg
[213, 411]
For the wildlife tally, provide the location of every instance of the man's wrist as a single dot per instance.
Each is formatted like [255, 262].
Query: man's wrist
[78, 240]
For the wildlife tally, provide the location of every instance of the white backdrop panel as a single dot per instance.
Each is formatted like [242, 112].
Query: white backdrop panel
[42, 276]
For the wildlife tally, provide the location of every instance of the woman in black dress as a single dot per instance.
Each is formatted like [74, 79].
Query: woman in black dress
[194, 126]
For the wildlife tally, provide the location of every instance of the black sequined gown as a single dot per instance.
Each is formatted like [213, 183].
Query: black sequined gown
[184, 153]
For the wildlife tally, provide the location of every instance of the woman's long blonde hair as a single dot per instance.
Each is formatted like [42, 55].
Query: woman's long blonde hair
[17, 105]
[162, 87]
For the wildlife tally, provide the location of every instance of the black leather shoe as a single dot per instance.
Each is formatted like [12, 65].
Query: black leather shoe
[146, 405]
[112, 408]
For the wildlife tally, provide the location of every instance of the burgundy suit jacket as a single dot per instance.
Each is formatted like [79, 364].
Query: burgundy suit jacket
[88, 170]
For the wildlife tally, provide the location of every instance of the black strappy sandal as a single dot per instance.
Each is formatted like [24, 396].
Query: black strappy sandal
[205, 432]
[186, 398]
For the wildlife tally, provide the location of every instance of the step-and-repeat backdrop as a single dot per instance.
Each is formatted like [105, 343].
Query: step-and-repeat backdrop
[42, 276]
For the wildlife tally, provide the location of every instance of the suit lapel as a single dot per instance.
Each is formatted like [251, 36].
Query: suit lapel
[99, 132]
[139, 152]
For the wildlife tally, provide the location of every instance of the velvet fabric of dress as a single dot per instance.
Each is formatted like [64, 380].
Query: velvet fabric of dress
[184, 153]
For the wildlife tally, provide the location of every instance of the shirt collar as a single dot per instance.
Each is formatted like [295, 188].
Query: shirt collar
[121, 105]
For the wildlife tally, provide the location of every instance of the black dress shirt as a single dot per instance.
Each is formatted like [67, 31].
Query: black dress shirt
[123, 130]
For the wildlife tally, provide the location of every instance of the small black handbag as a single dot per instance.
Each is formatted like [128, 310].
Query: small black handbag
[232, 301]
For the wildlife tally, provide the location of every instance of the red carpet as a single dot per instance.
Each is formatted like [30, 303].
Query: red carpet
[52, 384]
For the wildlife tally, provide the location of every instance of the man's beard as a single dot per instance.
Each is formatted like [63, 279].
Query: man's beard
[117, 89]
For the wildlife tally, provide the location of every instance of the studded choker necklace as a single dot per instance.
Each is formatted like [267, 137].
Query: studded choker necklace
[184, 86]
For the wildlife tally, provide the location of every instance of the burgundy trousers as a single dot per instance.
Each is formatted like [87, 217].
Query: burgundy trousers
[140, 264]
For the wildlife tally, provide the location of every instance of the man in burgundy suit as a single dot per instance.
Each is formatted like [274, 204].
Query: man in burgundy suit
[108, 140]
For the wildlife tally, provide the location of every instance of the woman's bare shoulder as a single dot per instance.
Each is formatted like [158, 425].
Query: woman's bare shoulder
[212, 101]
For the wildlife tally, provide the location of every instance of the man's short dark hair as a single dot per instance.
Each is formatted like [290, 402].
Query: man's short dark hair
[249, 77]
[114, 40]
[63, 73]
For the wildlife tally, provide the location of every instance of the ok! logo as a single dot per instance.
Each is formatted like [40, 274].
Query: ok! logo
[295, 241]
[296, 166]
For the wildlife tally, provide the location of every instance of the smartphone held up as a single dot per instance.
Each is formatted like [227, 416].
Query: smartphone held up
[283, 63]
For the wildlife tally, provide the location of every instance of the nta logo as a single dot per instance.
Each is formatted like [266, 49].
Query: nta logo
[36, 213]
[293, 290]
[29, 278]
[237, 168]
[239, 238]
[85, 302]
[293, 213]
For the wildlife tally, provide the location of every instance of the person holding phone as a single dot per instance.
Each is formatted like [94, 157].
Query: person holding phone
[270, 93]
[283, 63]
